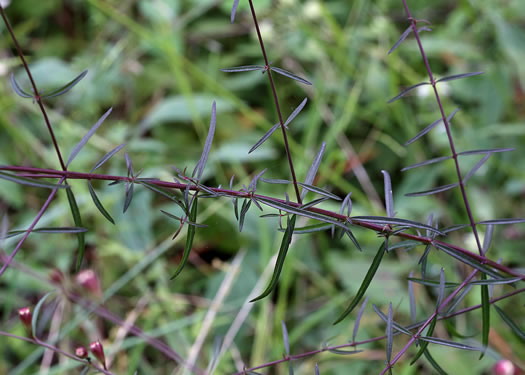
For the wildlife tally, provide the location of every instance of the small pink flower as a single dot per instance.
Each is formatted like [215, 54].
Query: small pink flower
[56, 276]
[26, 316]
[504, 367]
[98, 351]
[81, 352]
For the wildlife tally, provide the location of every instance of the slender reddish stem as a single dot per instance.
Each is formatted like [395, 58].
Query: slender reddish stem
[277, 106]
[37, 96]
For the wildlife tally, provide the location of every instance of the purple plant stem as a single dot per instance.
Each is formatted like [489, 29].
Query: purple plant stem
[378, 338]
[413, 23]
[37, 96]
[277, 106]
[31, 227]
[56, 350]
[234, 193]
[428, 321]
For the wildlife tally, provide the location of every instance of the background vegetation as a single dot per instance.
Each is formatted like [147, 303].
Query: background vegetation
[157, 63]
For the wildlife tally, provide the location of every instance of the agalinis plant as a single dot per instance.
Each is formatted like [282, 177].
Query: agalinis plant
[186, 191]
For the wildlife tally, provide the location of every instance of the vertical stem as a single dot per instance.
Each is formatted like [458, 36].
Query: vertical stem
[277, 106]
[447, 127]
[33, 84]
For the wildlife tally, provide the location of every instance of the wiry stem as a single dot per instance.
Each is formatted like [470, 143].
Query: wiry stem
[243, 194]
[277, 106]
[58, 351]
[37, 96]
[378, 338]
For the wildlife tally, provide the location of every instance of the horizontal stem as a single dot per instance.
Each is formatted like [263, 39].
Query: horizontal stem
[243, 194]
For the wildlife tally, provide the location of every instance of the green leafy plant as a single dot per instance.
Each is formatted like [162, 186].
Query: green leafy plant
[328, 212]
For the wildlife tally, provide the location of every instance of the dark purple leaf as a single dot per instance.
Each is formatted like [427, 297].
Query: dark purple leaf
[107, 157]
[288, 74]
[264, 137]
[458, 76]
[310, 176]
[68, 86]
[18, 89]
[502, 221]
[474, 169]
[401, 39]
[435, 190]
[430, 127]
[426, 162]
[199, 168]
[234, 10]
[389, 199]
[406, 91]
[244, 68]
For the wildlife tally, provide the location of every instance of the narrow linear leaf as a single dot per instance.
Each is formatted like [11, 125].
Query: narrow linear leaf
[407, 245]
[366, 282]
[358, 319]
[467, 260]
[502, 221]
[344, 352]
[68, 86]
[441, 290]
[295, 112]
[347, 203]
[317, 190]
[396, 221]
[485, 316]
[453, 332]
[106, 157]
[36, 313]
[285, 338]
[88, 135]
[430, 127]
[434, 364]
[395, 325]
[389, 199]
[487, 239]
[264, 138]
[78, 222]
[426, 162]
[164, 192]
[18, 89]
[288, 74]
[435, 190]
[310, 228]
[474, 169]
[458, 299]
[450, 344]
[31, 182]
[485, 151]
[189, 239]
[234, 10]
[285, 244]
[129, 164]
[317, 369]
[199, 168]
[298, 211]
[349, 233]
[244, 209]
[244, 68]
[253, 182]
[129, 196]
[512, 325]
[401, 39]
[46, 230]
[424, 344]
[406, 91]
[86, 369]
[411, 298]
[389, 334]
[98, 204]
[310, 176]
[458, 76]
[275, 181]
[314, 202]
[454, 228]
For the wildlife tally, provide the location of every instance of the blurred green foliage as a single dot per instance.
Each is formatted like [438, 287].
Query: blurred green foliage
[157, 63]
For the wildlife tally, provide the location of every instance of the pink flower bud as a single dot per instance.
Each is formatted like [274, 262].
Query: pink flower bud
[98, 351]
[89, 280]
[56, 276]
[81, 352]
[504, 367]
[26, 316]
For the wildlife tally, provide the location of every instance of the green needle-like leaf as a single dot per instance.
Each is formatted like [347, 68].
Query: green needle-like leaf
[285, 244]
[424, 344]
[78, 222]
[513, 326]
[485, 313]
[36, 313]
[189, 239]
[98, 204]
[366, 282]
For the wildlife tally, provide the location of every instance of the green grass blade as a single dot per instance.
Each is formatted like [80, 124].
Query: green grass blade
[424, 344]
[434, 364]
[366, 282]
